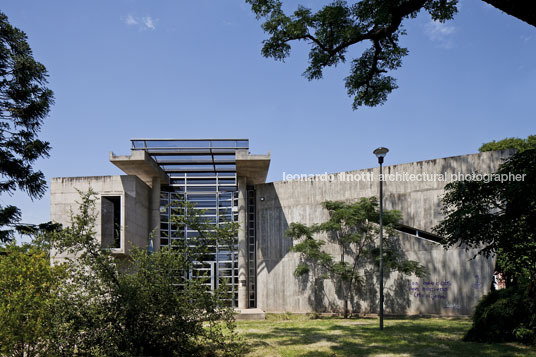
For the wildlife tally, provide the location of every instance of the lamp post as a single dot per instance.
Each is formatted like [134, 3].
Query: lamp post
[150, 248]
[380, 154]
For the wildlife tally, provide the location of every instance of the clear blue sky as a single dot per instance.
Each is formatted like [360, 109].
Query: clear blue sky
[192, 69]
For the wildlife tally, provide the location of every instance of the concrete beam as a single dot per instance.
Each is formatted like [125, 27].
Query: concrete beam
[253, 167]
[154, 215]
[140, 164]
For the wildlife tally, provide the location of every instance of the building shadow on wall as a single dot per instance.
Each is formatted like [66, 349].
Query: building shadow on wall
[467, 278]
[319, 299]
[397, 299]
[396, 292]
[365, 297]
[272, 243]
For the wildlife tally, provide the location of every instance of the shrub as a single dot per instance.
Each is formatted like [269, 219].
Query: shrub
[140, 306]
[504, 315]
[524, 335]
[28, 289]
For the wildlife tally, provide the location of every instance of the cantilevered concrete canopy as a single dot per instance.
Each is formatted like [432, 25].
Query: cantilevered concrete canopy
[253, 167]
[140, 163]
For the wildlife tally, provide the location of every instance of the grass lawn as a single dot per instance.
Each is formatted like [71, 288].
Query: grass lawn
[283, 335]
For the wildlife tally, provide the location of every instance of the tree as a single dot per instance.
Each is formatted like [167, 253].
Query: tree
[497, 216]
[24, 103]
[510, 143]
[184, 215]
[352, 228]
[336, 27]
[28, 289]
[138, 306]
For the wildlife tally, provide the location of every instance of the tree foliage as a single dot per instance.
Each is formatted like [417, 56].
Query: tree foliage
[136, 306]
[353, 228]
[28, 289]
[505, 315]
[497, 217]
[336, 27]
[24, 103]
[185, 215]
[510, 143]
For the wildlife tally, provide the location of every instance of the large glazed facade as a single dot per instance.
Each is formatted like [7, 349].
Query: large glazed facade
[228, 183]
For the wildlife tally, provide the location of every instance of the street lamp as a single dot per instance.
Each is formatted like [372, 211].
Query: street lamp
[380, 154]
[150, 248]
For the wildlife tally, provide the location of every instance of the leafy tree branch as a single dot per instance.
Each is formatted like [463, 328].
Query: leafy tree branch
[352, 227]
[496, 217]
[336, 27]
[25, 102]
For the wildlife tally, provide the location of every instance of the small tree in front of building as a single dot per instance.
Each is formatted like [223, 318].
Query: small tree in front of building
[140, 305]
[28, 295]
[353, 229]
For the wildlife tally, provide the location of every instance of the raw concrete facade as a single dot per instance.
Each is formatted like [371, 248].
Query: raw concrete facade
[460, 282]
[264, 266]
[134, 197]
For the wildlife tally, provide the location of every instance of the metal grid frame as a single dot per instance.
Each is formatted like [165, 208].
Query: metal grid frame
[201, 171]
[252, 247]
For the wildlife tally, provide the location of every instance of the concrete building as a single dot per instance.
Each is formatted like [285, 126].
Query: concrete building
[221, 177]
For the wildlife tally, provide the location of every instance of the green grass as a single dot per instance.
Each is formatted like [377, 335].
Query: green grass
[293, 335]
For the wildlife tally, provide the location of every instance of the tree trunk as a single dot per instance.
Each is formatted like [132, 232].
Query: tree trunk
[525, 10]
[345, 306]
[346, 294]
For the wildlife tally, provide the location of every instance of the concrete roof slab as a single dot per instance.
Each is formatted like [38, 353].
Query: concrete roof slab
[140, 164]
[253, 167]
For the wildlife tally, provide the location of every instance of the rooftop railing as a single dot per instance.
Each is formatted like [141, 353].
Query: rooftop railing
[179, 144]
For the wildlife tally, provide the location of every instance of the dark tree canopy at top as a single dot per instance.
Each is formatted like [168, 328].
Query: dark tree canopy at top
[510, 143]
[496, 217]
[24, 102]
[334, 28]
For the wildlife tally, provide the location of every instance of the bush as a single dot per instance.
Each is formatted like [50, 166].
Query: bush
[28, 289]
[524, 335]
[146, 309]
[140, 306]
[504, 315]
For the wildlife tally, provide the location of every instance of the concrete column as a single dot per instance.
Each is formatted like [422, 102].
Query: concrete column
[154, 216]
[242, 246]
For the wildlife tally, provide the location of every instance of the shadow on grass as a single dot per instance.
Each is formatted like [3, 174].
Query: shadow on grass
[415, 337]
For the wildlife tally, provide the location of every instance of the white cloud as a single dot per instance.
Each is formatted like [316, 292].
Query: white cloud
[130, 20]
[149, 22]
[440, 33]
[526, 38]
[142, 23]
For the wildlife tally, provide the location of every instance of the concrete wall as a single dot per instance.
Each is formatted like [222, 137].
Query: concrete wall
[135, 198]
[281, 203]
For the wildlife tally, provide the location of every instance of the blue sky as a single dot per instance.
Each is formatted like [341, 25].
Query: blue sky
[192, 69]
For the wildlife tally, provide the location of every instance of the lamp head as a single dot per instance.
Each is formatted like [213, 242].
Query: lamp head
[150, 248]
[380, 153]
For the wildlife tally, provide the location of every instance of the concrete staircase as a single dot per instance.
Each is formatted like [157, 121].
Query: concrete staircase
[250, 314]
